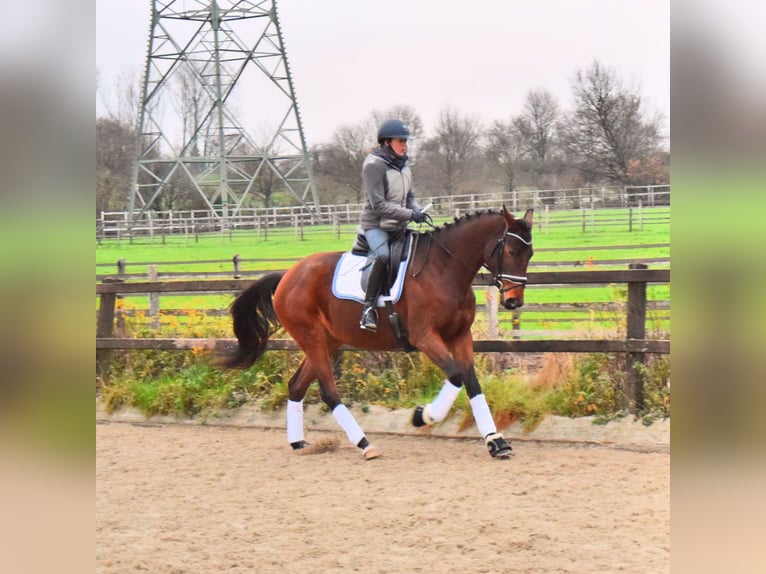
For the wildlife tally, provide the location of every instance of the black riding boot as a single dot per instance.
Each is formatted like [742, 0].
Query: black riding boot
[369, 319]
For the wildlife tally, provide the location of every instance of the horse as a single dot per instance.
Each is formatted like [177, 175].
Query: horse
[437, 306]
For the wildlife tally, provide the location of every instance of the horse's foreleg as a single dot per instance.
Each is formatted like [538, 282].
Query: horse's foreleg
[435, 411]
[460, 370]
[497, 446]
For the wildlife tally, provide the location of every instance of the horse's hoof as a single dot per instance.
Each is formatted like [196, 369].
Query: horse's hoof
[370, 452]
[498, 447]
[297, 445]
[418, 418]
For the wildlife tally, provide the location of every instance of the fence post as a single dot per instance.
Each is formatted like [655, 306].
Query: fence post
[154, 299]
[636, 329]
[492, 321]
[105, 324]
[516, 323]
[235, 260]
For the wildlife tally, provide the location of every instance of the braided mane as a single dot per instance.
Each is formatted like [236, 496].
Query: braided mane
[462, 219]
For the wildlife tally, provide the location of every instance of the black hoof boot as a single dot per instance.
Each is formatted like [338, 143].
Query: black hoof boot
[417, 417]
[369, 320]
[497, 446]
[297, 445]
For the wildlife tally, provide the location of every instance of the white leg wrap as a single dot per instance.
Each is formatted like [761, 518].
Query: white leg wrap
[347, 422]
[294, 421]
[441, 405]
[482, 416]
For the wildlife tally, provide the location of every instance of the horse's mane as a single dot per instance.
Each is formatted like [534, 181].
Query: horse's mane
[470, 217]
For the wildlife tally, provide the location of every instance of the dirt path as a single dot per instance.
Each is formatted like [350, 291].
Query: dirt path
[195, 499]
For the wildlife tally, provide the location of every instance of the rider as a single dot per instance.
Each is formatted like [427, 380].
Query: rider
[389, 205]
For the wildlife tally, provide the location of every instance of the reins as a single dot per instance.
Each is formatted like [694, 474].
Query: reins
[428, 251]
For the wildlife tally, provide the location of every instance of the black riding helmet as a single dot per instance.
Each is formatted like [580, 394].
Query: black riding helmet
[393, 129]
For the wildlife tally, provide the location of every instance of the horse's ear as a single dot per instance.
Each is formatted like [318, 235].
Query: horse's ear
[528, 216]
[508, 215]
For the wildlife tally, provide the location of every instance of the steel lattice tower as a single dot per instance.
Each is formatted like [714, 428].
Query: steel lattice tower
[203, 58]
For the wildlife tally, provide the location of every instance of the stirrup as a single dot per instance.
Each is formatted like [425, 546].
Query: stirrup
[497, 446]
[369, 321]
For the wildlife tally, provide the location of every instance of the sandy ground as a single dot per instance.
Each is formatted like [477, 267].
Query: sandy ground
[205, 499]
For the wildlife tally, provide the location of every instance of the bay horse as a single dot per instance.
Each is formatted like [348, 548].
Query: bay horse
[437, 306]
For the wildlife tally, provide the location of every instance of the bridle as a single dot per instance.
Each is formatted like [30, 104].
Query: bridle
[497, 277]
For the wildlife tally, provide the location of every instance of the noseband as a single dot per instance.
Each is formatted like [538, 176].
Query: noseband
[497, 277]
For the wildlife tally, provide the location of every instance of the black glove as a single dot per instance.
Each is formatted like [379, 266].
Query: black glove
[419, 216]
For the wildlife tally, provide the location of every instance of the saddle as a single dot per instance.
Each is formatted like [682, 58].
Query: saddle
[350, 278]
[398, 253]
[353, 268]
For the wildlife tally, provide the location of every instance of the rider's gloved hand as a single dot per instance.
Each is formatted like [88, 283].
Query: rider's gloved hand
[418, 216]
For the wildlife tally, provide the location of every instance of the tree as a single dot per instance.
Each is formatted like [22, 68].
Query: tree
[191, 99]
[502, 151]
[452, 152]
[536, 125]
[115, 154]
[607, 132]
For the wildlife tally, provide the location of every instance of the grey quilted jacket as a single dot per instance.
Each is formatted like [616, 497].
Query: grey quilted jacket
[389, 199]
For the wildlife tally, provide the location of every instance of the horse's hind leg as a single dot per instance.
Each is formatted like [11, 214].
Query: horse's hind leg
[320, 359]
[297, 387]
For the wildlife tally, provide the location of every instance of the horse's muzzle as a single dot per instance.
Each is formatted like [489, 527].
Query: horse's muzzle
[513, 303]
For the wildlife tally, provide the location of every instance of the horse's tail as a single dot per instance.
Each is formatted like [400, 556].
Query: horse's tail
[254, 321]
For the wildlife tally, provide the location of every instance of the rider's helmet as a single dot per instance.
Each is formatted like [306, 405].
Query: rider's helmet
[393, 129]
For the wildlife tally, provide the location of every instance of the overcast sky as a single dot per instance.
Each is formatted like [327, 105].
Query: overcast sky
[349, 57]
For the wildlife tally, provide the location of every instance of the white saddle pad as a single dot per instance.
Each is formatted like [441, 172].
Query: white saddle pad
[347, 281]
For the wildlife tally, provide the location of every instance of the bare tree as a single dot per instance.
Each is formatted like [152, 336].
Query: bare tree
[115, 154]
[503, 150]
[121, 99]
[191, 98]
[537, 124]
[452, 150]
[607, 131]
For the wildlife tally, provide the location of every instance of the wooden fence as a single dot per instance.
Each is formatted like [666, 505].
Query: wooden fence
[635, 345]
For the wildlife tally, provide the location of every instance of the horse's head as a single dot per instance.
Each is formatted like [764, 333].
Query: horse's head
[509, 256]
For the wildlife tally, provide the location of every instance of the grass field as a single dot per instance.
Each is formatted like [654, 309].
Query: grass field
[553, 244]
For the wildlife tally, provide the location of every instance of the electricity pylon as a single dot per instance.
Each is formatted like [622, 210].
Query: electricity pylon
[212, 67]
